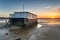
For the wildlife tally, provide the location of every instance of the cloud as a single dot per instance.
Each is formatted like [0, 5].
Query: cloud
[56, 9]
[48, 7]
[52, 9]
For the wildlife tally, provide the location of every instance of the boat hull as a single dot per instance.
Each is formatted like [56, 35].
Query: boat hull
[22, 21]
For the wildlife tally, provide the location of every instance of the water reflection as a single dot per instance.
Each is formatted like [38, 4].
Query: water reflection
[53, 23]
[39, 25]
[49, 21]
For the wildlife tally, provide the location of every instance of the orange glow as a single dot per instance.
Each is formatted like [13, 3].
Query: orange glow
[53, 16]
[49, 15]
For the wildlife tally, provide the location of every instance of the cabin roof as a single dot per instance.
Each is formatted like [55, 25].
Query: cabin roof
[26, 12]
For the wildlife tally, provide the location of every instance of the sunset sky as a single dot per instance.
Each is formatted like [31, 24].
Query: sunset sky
[42, 8]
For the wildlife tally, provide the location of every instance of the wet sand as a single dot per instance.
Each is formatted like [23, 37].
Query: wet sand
[41, 31]
[22, 33]
[46, 33]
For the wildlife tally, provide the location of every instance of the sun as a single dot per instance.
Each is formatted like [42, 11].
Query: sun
[52, 16]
